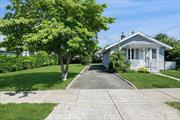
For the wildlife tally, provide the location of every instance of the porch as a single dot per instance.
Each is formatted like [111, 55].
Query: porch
[142, 57]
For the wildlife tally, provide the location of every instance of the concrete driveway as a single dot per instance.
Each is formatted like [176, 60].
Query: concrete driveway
[96, 78]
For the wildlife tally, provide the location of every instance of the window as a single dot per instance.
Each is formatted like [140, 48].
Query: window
[141, 54]
[129, 54]
[137, 54]
[154, 55]
[132, 53]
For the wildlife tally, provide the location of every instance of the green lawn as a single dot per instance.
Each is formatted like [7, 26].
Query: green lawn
[148, 80]
[173, 73]
[44, 78]
[25, 111]
[174, 104]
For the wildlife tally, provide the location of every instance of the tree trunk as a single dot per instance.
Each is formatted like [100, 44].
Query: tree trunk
[64, 71]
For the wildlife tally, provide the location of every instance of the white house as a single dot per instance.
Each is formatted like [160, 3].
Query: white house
[142, 51]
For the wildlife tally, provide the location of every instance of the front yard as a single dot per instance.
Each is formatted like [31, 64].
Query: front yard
[25, 111]
[44, 78]
[148, 80]
[173, 73]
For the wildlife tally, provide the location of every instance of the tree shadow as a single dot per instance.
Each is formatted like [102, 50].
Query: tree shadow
[32, 81]
[98, 68]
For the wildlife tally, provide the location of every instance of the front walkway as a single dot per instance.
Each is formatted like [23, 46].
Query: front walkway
[167, 76]
[96, 78]
[106, 104]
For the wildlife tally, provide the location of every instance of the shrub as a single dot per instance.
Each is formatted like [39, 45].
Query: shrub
[143, 70]
[85, 60]
[28, 62]
[6, 67]
[76, 59]
[12, 63]
[118, 63]
[53, 59]
[97, 58]
[42, 59]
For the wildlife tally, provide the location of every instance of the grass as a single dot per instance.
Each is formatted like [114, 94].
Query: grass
[173, 73]
[148, 80]
[25, 111]
[44, 78]
[174, 105]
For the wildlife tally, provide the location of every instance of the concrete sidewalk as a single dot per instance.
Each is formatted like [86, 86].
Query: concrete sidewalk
[103, 104]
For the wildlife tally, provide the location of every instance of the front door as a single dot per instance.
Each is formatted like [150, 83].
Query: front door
[151, 57]
[147, 57]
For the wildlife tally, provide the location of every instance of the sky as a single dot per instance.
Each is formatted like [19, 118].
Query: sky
[148, 16]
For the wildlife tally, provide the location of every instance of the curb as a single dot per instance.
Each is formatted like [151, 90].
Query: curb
[76, 77]
[125, 80]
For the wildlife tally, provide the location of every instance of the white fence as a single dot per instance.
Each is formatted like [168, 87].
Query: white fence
[169, 65]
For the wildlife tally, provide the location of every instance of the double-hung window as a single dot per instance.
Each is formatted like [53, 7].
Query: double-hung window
[154, 55]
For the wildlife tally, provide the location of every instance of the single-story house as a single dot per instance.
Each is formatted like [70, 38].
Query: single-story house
[141, 50]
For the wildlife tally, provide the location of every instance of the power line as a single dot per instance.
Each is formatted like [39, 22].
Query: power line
[170, 28]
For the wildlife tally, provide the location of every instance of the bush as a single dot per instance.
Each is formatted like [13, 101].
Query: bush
[86, 60]
[97, 58]
[53, 59]
[143, 70]
[12, 63]
[118, 63]
[76, 59]
[42, 59]
[5, 67]
[28, 62]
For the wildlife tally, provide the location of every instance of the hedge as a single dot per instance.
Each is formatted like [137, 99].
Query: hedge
[12, 63]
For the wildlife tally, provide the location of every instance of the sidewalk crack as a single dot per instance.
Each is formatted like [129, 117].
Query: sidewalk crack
[114, 104]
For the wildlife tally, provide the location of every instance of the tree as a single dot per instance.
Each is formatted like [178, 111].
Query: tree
[173, 54]
[65, 27]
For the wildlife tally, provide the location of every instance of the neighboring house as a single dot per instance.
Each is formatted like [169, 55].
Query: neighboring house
[141, 50]
[4, 52]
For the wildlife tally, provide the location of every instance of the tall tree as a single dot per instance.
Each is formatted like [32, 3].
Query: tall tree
[173, 54]
[65, 27]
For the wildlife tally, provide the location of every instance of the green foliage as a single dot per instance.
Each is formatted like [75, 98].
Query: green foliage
[28, 62]
[118, 63]
[143, 70]
[86, 60]
[173, 54]
[42, 59]
[12, 63]
[96, 58]
[53, 59]
[65, 27]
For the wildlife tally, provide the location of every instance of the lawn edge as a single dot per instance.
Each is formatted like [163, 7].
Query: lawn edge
[69, 85]
[170, 105]
[126, 80]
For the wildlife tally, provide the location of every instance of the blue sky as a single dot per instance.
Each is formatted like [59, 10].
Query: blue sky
[148, 16]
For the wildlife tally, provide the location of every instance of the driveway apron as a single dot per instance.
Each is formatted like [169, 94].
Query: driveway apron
[95, 77]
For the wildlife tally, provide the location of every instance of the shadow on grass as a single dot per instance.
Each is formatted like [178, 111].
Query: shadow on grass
[33, 81]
